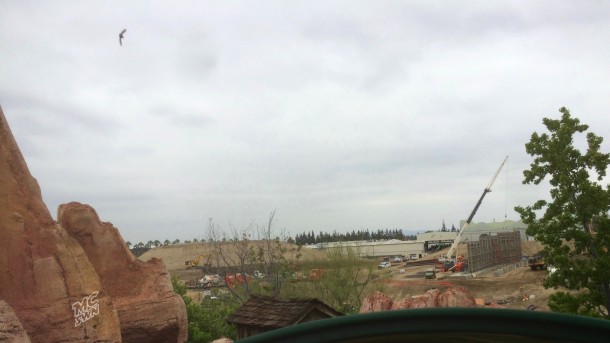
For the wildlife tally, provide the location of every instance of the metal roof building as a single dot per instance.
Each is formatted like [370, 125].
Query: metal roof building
[262, 313]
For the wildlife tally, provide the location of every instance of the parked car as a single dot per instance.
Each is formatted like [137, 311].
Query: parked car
[397, 259]
[384, 265]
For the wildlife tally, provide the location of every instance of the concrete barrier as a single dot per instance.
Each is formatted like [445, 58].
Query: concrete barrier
[501, 269]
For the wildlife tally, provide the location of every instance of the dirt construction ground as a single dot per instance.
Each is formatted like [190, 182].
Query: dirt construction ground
[514, 287]
[517, 288]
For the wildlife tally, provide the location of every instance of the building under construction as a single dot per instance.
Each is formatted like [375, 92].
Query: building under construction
[494, 250]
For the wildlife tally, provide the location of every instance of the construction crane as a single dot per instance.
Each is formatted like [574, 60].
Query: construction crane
[458, 238]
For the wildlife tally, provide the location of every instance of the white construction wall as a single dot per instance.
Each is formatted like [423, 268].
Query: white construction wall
[408, 249]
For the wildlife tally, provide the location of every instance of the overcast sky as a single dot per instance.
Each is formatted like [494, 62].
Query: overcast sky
[339, 115]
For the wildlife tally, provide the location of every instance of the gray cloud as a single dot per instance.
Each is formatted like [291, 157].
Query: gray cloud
[341, 115]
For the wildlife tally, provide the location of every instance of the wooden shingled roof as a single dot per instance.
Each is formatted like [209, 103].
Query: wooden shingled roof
[268, 312]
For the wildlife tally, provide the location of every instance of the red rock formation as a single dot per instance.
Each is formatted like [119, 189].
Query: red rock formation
[43, 271]
[376, 302]
[428, 299]
[453, 297]
[10, 326]
[148, 308]
[456, 297]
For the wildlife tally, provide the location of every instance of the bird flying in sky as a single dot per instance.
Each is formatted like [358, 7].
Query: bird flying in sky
[121, 36]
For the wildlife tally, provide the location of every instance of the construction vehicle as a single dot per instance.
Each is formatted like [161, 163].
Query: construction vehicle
[231, 280]
[536, 262]
[458, 239]
[209, 280]
[458, 266]
[194, 263]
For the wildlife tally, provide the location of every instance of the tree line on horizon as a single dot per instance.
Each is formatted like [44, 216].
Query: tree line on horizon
[360, 235]
[301, 239]
[157, 243]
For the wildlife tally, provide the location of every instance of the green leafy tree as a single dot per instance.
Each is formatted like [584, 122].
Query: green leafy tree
[207, 319]
[341, 281]
[574, 226]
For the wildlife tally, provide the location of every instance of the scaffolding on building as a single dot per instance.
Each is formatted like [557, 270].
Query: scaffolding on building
[494, 250]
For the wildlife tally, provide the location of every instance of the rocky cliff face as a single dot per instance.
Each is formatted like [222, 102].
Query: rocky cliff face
[82, 286]
[376, 302]
[11, 330]
[43, 271]
[453, 297]
[149, 310]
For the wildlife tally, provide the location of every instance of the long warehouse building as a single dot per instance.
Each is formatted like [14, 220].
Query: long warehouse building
[393, 247]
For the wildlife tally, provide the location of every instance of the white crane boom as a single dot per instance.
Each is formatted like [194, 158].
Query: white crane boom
[487, 189]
